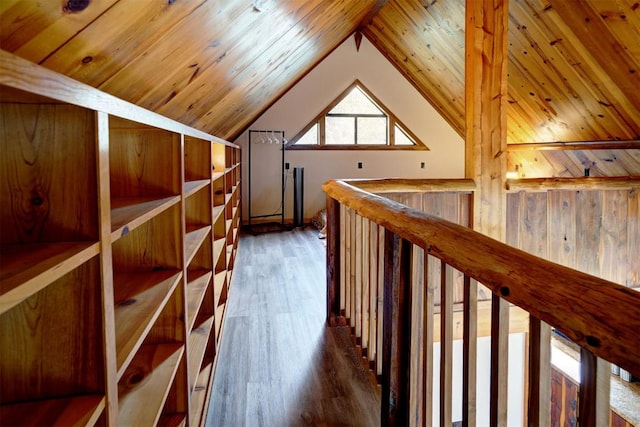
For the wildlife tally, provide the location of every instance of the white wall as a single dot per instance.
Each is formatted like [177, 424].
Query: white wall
[310, 96]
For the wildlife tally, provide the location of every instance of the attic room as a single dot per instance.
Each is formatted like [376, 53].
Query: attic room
[143, 140]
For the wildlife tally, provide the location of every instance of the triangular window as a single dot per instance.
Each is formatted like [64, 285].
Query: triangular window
[356, 119]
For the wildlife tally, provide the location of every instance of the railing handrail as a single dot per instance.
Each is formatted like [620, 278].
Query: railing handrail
[599, 315]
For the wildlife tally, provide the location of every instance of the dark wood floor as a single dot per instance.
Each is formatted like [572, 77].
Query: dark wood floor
[279, 364]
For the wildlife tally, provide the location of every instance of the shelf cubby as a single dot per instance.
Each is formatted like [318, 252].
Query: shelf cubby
[192, 187]
[127, 213]
[199, 339]
[219, 284]
[144, 386]
[38, 326]
[197, 152]
[200, 393]
[65, 411]
[28, 268]
[199, 283]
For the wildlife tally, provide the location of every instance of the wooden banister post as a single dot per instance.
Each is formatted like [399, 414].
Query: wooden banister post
[333, 263]
[486, 58]
[396, 341]
[593, 397]
[539, 405]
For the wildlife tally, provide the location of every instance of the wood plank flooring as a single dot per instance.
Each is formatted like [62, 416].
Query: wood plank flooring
[279, 364]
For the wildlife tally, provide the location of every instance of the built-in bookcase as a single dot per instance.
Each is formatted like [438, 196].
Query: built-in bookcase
[117, 240]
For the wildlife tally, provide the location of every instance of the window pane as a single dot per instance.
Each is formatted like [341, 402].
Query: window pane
[356, 102]
[372, 130]
[401, 138]
[309, 138]
[339, 130]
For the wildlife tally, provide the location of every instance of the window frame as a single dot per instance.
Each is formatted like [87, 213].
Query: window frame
[391, 119]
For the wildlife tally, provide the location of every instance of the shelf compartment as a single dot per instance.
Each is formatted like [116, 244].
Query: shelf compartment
[145, 384]
[197, 155]
[218, 248]
[51, 344]
[49, 193]
[201, 390]
[193, 240]
[219, 319]
[199, 281]
[192, 187]
[129, 213]
[198, 340]
[144, 161]
[70, 411]
[218, 192]
[28, 268]
[139, 300]
[219, 284]
[217, 212]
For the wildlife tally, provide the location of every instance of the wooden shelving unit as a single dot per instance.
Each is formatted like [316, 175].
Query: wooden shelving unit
[119, 229]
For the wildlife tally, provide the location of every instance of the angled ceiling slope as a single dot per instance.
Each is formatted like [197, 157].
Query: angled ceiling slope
[211, 64]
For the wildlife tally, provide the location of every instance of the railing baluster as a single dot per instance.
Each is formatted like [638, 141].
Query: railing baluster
[446, 344]
[380, 327]
[365, 286]
[397, 330]
[333, 262]
[352, 268]
[416, 365]
[343, 260]
[539, 410]
[373, 295]
[499, 360]
[469, 352]
[428, 308]
[593, 397]
[358, 285]
[347, 265]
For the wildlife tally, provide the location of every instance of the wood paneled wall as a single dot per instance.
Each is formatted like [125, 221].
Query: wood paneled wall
[594, 231]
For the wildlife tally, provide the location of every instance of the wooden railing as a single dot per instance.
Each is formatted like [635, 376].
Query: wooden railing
[389, 267]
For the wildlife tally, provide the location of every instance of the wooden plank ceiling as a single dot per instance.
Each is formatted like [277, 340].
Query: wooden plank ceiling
[574, 66]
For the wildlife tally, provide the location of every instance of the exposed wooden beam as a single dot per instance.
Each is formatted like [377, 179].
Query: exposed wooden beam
[586, 183]
[486, 57]
[576, 145]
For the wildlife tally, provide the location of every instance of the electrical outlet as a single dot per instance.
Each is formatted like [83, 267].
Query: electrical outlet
[359, 165]
[422, 165]
[286, 165]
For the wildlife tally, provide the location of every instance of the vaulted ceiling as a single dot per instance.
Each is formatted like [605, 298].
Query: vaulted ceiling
[573, 74]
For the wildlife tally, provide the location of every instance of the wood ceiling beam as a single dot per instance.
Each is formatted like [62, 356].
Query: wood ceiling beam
[576, 145]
